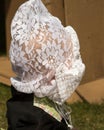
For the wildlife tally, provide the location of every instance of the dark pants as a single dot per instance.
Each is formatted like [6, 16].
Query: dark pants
[22, 115]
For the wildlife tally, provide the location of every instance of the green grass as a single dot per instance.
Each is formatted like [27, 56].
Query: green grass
[4, 96]
[84, 116]
[88, 116]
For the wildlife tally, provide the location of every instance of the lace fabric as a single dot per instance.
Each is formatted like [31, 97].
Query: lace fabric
[44, 54]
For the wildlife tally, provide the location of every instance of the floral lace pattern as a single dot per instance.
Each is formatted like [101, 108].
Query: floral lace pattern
[40, 44]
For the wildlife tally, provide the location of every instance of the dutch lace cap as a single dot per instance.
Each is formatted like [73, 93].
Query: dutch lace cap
[43, 53]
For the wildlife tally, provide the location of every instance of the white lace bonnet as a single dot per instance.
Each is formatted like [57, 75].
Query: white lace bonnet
[32, 22]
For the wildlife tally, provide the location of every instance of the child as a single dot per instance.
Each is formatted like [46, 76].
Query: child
[46, 59]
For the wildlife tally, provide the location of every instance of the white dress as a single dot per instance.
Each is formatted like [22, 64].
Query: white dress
[44, 54]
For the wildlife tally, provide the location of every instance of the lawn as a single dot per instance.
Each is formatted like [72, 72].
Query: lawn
[85, 116]
[4, 96]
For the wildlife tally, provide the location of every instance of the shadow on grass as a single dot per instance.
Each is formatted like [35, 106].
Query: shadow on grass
[85, 116]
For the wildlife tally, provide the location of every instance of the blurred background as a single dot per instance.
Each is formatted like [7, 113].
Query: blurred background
[87, 18]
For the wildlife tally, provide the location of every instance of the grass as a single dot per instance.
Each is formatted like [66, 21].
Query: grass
[85, 116]
[4, 96]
